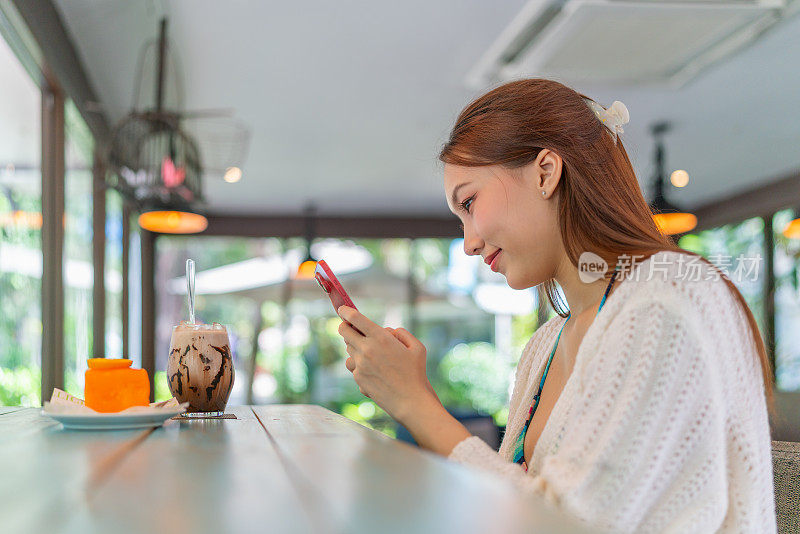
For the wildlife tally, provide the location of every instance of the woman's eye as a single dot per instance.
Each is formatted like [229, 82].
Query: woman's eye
[467, 203]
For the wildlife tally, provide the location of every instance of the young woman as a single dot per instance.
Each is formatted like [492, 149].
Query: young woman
[643, 408]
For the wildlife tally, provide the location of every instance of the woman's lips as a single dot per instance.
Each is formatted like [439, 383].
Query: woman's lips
[494, 260]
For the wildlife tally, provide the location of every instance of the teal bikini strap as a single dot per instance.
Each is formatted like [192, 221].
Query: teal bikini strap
[519, 452]
[605, 295]
[549, 361]
[555, 345]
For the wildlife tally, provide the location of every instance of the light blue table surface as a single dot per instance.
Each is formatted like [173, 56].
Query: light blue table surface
[276, 468]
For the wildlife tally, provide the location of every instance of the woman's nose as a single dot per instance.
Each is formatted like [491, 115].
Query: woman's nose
[472, 243]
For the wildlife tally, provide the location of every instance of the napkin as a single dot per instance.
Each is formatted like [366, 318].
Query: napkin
[62, 402]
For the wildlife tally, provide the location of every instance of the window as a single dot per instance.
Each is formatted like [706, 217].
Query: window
[113, 275]
[732, 247]
[472, 324]
[787, 305]
[745, 240]
[20, 234]
[78, 270]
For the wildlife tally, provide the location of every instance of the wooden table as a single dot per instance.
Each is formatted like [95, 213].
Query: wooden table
[278, 468]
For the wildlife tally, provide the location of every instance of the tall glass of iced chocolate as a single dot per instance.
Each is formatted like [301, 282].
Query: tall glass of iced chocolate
[200, 367]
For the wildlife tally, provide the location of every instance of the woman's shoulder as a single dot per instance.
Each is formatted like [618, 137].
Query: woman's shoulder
[693, 293]
[679, 277]
[545, 331]
[540, 337]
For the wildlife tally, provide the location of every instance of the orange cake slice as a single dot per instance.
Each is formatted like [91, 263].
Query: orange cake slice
[111, 386]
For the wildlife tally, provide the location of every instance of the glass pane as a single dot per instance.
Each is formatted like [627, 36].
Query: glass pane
[301, 352]
[472, 324]
[113, 275]
[135, 295]
[738, 250]
[20, 234]
[223, 295]
[78, 271]
[787, 305]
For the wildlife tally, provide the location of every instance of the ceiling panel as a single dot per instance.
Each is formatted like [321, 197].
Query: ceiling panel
[349, 101]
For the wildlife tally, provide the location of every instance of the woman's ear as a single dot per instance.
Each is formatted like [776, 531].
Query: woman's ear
[547, 170]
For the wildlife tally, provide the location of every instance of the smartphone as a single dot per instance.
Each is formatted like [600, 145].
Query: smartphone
[331, 285]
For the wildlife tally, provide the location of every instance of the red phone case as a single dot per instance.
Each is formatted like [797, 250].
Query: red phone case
[331, 285]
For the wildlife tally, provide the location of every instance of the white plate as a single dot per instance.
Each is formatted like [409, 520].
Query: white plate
[116, 421]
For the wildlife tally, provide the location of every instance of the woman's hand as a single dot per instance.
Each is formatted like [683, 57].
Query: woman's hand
[387, 364]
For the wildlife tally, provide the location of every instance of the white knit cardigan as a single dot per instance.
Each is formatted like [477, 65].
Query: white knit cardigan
[662, 425]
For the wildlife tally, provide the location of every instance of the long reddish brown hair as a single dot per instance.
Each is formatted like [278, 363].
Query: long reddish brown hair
[511, 124]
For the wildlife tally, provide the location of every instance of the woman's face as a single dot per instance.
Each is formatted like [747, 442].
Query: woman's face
[502, 209]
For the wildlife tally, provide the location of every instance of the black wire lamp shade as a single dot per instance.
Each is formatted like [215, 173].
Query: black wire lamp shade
[669, 218]
[157, 166]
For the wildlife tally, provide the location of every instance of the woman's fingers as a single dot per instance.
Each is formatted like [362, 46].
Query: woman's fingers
[406, 338]
[351, 337]
[359, 321]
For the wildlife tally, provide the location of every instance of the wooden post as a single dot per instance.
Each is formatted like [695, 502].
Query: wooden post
[258, 323]
[126, 258]
[413, 289]
[98, 258]
[769, 291]
[286, 297]
[52, 241]
[149, 308]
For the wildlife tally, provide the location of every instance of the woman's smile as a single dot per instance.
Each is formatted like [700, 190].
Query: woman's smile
[491, 258]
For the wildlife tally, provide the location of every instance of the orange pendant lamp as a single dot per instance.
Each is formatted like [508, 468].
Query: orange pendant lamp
[792, 230]
[306, 269]
[669, 218]
[173, 222]
[168, 203]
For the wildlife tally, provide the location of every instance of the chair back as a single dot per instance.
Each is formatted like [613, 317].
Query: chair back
[786, 470]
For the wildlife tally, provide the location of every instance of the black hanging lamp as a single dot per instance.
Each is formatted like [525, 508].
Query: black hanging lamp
[157, 165]
[307, 267]
[669, 218]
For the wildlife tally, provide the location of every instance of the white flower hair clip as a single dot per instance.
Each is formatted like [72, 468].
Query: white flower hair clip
[613, 118]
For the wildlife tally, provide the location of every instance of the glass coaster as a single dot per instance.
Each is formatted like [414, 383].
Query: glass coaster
[203, 415]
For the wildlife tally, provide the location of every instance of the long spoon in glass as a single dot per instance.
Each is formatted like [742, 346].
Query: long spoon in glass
[190, 288]
[190, 294]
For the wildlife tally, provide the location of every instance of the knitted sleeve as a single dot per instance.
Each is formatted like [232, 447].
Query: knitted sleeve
[638, 444]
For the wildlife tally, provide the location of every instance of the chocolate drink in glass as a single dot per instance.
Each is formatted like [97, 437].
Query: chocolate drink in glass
[200, 366]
